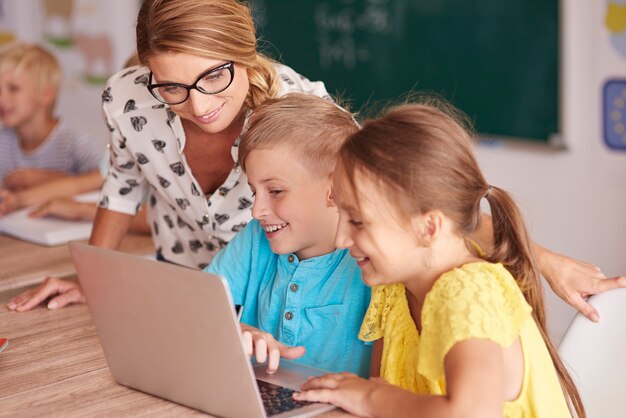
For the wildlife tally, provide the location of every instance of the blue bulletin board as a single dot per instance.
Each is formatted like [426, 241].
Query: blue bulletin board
[614, 114]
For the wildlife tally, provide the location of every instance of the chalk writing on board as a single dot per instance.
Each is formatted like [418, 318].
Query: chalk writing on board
[340, 28]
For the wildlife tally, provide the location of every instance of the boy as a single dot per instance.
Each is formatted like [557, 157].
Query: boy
[296, 287]
[35, 147]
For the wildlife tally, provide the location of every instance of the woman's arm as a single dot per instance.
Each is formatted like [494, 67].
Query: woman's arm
[139, 225]
[572, 280]
[109, 227]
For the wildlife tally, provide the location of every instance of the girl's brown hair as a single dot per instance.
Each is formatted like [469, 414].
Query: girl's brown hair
[421, 157]
[216, 29]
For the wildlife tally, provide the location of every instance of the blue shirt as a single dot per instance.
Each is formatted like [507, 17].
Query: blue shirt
[318, 303]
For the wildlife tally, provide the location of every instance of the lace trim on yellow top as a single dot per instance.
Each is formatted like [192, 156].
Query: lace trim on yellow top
[389, 310]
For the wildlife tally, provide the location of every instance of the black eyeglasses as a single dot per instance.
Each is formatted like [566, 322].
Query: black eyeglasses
[212, 81]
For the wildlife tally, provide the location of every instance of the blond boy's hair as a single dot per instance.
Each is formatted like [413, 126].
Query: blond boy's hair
[312, 127]
[33, 59]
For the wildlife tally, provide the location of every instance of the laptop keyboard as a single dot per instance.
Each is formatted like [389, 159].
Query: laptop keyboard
[278, 399]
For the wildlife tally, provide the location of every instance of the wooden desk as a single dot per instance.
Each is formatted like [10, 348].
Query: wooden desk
[54, 366]
[23, 263]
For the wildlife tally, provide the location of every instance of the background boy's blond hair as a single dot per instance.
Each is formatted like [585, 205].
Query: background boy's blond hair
[33, 59]
[312, 127]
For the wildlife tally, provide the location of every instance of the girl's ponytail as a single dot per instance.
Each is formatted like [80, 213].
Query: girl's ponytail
[513, 248]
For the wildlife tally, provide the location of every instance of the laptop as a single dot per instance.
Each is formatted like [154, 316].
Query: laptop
[172, 332]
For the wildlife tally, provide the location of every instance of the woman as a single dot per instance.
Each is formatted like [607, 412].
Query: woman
[179, 135]
[175, 125]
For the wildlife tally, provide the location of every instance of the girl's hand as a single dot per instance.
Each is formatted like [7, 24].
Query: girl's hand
[266, 348]
[344, 390]
[574, 281]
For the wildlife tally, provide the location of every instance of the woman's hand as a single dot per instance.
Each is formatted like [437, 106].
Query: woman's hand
[63, 293]
[574, 281]
[266, 348]
[345, 390]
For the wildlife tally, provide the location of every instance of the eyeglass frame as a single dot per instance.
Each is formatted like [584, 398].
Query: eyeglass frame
[230, 66]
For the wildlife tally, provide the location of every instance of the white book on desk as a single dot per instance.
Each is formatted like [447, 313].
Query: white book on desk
[48, 230]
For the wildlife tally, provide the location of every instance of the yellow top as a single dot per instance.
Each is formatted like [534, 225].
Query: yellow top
[477, 300]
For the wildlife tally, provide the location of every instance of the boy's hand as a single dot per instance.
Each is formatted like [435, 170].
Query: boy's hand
[63, 293]
[23, 178]
[266, 348]
[8, 201]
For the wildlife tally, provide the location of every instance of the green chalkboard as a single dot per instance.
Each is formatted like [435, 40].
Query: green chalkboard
[495, 59]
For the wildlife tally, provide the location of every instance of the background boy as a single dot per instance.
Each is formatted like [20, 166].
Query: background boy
[35, 146]
[303, 294]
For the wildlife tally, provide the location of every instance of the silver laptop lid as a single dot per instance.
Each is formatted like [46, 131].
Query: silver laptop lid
[179, 342]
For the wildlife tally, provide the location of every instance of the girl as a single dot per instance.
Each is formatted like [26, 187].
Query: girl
[464, 333]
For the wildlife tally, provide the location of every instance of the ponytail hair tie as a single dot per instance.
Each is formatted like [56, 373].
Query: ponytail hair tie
[488, 192]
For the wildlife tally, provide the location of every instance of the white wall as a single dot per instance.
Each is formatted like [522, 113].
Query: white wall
[574, 200]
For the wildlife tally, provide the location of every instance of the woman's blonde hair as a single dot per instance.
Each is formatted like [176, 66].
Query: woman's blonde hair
[34, 60]
[312, 127]
[421, 157]
[216, 29]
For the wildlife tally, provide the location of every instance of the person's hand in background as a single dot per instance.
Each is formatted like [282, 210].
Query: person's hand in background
[66, 208]
[9, 201]
[24, 178]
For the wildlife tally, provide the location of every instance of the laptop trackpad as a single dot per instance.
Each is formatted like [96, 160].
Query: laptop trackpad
[289, 374]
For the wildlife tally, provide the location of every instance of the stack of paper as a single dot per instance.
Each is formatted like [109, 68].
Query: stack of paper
[48, 230]
[45, 231]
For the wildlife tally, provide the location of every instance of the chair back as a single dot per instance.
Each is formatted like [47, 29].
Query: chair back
[595, 355]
